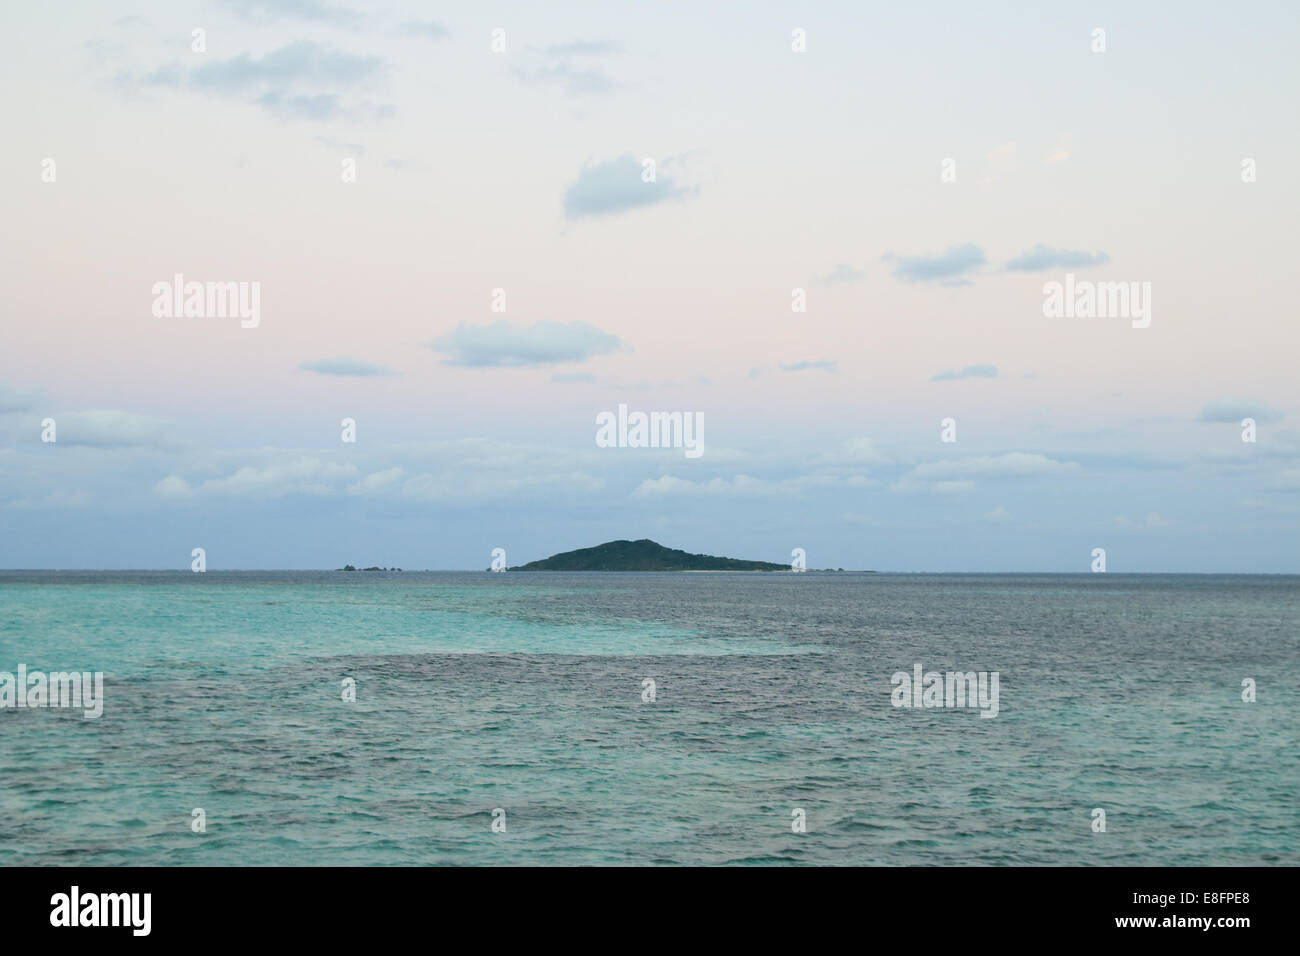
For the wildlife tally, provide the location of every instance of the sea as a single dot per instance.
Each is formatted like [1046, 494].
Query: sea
[544, 718]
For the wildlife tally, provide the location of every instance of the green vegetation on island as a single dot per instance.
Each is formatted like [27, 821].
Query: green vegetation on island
[643, 555]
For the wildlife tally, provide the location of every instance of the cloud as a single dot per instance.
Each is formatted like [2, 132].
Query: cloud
[17, 400]
[340, 145]
[746, 486]
[303, 80]
[478, 483]
[502, 345]
[425, 28]
[377, 481]
[952, 487]
[823, 365]
[842, 273]
[970, 371]
[857, 451]
[1043, 257]
[609, 188]
[459, 472]
[174, 487]
[561, 70]
[311, 10]
[302, 62]
[583, 48]
[948, 265]
[572, 377]
[1004, 154]
[108, 428]
[345, 366]
[1287, 480]
[997, 515]
[1233, 410]
[305, 476]
[1153, 520]
[1016, 464]
[1273, 506]
[576, 81]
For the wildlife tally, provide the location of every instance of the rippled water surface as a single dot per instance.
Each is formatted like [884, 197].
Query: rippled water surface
[523, 692]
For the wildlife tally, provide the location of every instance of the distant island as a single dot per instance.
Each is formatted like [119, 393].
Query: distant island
[348, 567]
[643, 555]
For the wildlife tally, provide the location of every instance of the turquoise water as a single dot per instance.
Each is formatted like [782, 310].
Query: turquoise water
[523, 692]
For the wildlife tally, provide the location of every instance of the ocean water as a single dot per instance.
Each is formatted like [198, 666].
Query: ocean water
[523, 691]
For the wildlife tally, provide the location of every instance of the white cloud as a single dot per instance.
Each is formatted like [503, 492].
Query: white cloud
[746, 486]
[376, 481]
[173, 486]
[110, 428]
[1153, 520]
[1017, 464]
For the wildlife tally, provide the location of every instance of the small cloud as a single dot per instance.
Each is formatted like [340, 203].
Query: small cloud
[970, 371]
[1287, 480]
[1043, 257]
[340, 145]
[746, 486]
[948, 265]
[910, 485]
[572, 377]
[841, 274]
[174, 487]
[303, 80]
[952, 487]
[345, 367]
[17, 400]
[301, 62]
[1016, 464]
[576, 81]
[857, 451]
[502, 345]
[108, 428]
[1153, 520]
[1276, 507]
[377, 481]
[305, 476]
[1004, 154]
[561, 70]
[1001, 160]
[1233, 410]
[424, 28]
[616, 186]
[583, 48]
[1061, 151]
[997, 515]
[311, 10]
[823, 365]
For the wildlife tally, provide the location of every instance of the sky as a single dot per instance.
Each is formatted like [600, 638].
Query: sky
[853, 217]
